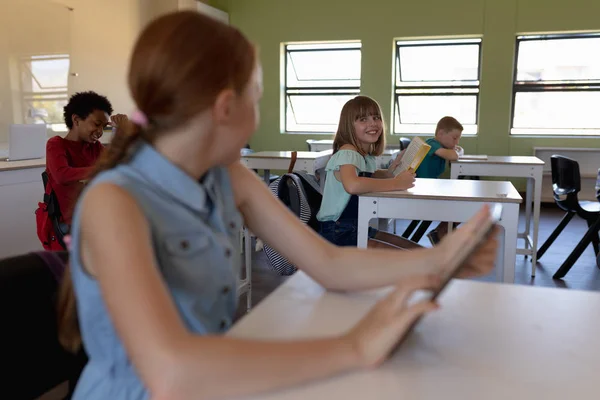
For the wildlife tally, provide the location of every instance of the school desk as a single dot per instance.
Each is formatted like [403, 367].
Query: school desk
[449, 200]
[487, 341]
[509, 167]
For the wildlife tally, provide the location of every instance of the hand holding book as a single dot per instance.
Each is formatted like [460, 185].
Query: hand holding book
[412, 157]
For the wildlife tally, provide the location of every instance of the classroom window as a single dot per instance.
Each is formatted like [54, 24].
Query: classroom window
[433, 79]
[44, 88]
[557, 85]
[319, 79]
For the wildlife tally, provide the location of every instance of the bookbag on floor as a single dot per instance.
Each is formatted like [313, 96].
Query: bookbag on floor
[301, 193]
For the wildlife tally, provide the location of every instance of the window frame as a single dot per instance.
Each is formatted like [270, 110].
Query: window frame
[286, 90]
[52, 94]
[429, 88]
[548, 86]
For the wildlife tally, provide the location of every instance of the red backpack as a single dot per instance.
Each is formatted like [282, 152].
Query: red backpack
[50, 227]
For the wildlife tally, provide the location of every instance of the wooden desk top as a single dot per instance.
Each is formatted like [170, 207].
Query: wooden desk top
[457, 189]
[513, 160]
[287, 155]
[487, 341]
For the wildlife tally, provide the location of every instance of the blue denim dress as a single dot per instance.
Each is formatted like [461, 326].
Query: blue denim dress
[194, 229]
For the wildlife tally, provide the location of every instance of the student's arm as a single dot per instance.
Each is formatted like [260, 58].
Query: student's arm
[345, 268]
[447, 154]
[58, 165]
[355, 184]
[176, 364]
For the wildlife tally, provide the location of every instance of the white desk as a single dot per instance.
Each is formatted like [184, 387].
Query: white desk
[447, 200]
[20, 191]
[487, 341]
[531, 168]
[308, 161]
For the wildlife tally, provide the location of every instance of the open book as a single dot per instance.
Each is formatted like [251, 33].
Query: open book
[414, 154]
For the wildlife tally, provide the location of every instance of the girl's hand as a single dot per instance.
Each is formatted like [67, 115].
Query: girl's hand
[405, 180]
[396, 162]
[380, 330]
[482, 261]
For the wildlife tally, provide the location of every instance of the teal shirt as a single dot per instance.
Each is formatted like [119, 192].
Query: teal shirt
[335, 197]
[432, 165]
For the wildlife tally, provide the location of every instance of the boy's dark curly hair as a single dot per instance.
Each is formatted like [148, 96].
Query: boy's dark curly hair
[83, 104]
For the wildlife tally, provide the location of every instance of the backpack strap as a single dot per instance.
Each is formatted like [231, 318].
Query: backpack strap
[293, 162]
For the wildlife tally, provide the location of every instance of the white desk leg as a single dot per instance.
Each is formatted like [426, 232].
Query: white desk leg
[537, 199]
[454, 171]
[510, 223]
[367, 209]
[528, 203]
[267, 176]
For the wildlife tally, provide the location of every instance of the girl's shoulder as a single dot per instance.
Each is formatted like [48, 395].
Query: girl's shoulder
[351, 156]
[348, 147]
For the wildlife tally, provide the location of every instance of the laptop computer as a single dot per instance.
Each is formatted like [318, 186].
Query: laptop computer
[26, 142]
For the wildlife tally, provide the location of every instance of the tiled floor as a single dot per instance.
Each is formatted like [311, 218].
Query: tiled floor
[584, 275]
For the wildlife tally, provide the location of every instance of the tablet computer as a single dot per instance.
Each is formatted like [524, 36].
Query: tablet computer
[462, 254]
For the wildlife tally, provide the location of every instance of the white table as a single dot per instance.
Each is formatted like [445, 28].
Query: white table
[21, 189]
[531, 168]
[308, 161]
[487, 341]
[448, 200]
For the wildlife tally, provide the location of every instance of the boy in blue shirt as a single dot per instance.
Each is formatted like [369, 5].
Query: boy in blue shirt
[444, 147]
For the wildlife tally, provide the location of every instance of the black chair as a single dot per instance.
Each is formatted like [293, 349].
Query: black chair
[34, 361]
[566, 184]
[61, 229]
[422, 225]
[404, 142]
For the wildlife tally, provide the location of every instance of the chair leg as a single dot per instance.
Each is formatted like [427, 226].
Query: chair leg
[421, 231]
[578, 250]
[595, 239]
[410, 229]
[563, 223]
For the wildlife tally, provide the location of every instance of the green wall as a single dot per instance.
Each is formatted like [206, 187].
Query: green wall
[377, 22]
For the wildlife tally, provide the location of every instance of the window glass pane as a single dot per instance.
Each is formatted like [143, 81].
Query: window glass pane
[430, 109]
[45, 74]
[314, 113]
[559, 59]
[47, 109]
[438, 63]
[428, 129]
[323, 68]
[554, 111]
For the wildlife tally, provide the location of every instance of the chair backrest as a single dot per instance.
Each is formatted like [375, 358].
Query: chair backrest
[404, 142]
[30, 350]
[565, 176]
